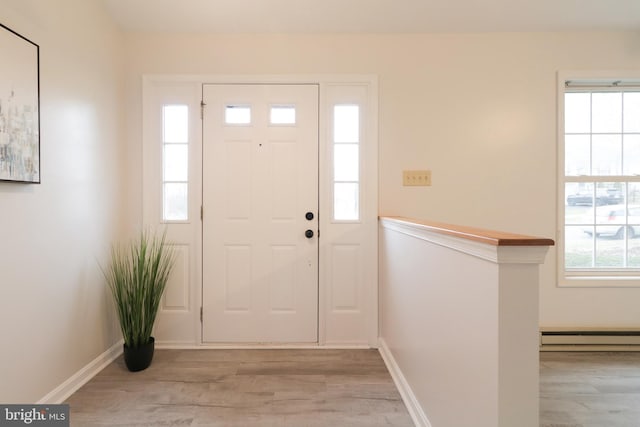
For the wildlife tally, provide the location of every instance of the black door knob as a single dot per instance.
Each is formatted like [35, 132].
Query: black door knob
[309, 216]
[309, 234]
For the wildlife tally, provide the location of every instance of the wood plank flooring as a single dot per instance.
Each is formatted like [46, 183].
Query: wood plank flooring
[336, 388]
[244, 388]
[589, 389]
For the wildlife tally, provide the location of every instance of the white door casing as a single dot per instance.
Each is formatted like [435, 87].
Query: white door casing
[260, 270]
[347, 288]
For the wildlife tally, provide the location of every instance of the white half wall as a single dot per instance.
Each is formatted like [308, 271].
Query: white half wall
[459, 321]
[55, 316]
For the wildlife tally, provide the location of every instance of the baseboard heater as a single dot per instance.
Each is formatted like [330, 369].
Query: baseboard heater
[578, 339]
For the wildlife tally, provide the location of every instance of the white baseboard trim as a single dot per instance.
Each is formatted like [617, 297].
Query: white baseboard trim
[411, 402]
[80, 378]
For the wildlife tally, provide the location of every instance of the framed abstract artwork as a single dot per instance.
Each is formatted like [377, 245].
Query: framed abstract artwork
[19, 108]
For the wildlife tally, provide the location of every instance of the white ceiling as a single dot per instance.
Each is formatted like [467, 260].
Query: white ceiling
[373, 16]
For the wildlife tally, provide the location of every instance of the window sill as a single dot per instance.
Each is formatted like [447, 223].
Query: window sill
[599, 282]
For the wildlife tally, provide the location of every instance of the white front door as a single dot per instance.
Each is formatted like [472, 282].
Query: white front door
[260, 213]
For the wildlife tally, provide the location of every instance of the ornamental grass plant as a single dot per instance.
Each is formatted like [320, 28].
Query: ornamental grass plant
[137, 277]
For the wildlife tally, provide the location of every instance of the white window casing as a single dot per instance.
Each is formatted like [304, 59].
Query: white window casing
[598, 179]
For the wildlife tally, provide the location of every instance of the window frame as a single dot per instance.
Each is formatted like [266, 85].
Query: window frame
[358, 144]
[164, 181]
[588, 82]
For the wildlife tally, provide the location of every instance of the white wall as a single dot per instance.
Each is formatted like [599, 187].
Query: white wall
[479, 110]
[54, 313]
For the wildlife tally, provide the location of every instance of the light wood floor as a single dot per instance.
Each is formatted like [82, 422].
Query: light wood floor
[590, 389]
[336, 388]
[244, 388]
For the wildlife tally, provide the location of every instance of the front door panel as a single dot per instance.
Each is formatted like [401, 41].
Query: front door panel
[260, 181]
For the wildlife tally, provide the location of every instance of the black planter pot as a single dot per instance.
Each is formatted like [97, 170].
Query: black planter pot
[139, 358]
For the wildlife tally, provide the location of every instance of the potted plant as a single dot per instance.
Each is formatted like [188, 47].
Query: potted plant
[137, 277]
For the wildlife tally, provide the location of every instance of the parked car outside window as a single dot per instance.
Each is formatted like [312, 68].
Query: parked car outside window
[608, 197]
[608, 216]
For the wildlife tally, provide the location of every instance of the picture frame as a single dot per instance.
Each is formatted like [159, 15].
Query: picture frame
[19, 108]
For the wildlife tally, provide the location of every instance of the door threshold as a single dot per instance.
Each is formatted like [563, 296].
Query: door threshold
[257, 346]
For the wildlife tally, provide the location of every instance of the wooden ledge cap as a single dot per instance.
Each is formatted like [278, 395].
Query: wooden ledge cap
[491, 237]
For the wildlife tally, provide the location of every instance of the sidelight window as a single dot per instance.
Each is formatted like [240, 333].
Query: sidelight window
[346, 162]
[175, 162]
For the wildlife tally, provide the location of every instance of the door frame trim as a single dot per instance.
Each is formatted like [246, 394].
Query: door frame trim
[369, 207]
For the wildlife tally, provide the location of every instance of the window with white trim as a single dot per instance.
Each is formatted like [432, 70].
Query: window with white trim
[175, 163]
[600, 181]
[346, 162]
